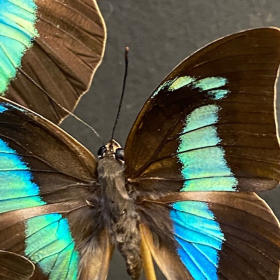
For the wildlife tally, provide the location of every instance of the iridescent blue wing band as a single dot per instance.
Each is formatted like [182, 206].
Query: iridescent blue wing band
[199, 236]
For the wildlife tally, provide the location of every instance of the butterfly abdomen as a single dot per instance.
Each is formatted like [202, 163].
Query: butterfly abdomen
[120, 214]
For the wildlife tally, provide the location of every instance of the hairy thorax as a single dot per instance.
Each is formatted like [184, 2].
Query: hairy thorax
[123, 220]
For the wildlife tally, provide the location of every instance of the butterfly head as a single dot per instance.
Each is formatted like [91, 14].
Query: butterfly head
[111, 149]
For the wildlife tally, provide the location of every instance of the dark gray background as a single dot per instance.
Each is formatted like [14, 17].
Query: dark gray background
[160, 33]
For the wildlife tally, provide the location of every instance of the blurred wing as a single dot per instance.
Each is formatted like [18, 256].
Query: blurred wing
[49, 202]
[14, 266]
[210, 125]
[49, 51]
[217, 235]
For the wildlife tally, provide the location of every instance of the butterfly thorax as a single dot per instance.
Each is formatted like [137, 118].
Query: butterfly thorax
[120, 214]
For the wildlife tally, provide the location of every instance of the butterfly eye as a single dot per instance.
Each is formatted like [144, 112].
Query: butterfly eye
[102, 150]
[119, 154]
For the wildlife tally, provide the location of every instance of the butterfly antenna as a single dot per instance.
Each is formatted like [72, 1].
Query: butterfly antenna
[123, 89]
[59, 105]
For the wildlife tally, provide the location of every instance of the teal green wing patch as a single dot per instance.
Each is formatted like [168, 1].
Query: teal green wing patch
[49, 244]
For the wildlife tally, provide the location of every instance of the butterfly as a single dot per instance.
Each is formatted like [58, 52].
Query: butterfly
[181, 192]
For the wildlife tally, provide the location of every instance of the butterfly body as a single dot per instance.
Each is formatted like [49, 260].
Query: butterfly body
[119, 209]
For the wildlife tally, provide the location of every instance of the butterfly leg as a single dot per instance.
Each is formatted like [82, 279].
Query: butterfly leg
[147, 258]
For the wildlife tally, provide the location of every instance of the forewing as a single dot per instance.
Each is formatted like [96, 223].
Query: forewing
[214, 235]
[210, 125]
[49, 52]
[50, 202]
